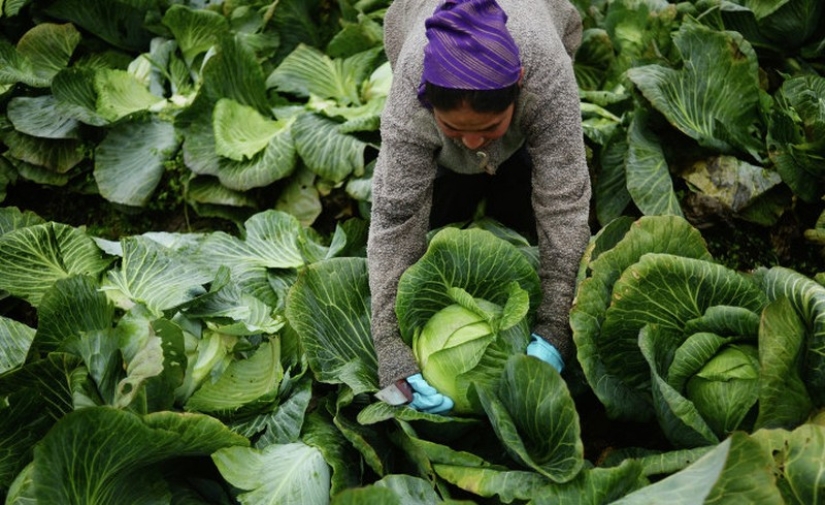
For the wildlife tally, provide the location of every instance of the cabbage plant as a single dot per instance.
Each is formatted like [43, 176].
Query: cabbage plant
[472, 294]
[147, 350]
[663, 331]
[465, 307]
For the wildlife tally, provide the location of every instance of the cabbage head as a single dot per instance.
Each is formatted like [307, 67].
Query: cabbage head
[468, 343]
[726, 388]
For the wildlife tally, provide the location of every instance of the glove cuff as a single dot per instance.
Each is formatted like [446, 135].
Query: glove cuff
[545, 351]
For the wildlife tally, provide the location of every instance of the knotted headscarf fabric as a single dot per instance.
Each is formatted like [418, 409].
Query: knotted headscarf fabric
[469, 47]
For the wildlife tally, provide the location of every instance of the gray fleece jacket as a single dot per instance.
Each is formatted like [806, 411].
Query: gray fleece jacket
[547, 118]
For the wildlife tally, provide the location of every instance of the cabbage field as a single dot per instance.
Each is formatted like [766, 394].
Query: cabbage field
[184, 305]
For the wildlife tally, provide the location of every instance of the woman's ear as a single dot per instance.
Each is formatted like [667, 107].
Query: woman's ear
[520, 76]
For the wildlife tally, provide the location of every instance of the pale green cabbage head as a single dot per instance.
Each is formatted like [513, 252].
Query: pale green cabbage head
[726, 388]
[468, 343]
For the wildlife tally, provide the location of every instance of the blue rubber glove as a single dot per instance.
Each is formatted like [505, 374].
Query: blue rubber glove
[426, 398]
[545, 351]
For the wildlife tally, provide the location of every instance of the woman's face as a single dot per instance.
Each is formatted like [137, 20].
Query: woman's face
[476, 130]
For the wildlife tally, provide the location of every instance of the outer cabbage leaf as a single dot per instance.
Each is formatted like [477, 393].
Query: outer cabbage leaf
[474, 260]
[640, 32]
[808, 299]
[41, 117]
[284, 424]
[410, 489]
[13, 7]
[491, 481]
[368, 495]
[56, 156]
[52, 381]
[595, 55]
[362, 118]
[240, 131]
[40, 54]
[610, 188]
[354, 37]
[129, 162]
[208, 355]
[234, 72]
[696, 99]
[231, 311]
[296, 22]
[595, 486]
[74, 90]
[290, 474]
[326, 150]
[36, 396]
[322, 432]
[731, 181]
[120, 23]
[73, 306]
[195, 30]
[646, 172]
[534, 416]
[472, 473]
[784, 401]
[797, 461]
[377, 86]
[783, 24]
[34, 257]
[33, 173]
[154, 354]
[161, 70]
[307, 71]
[12, 218]
[154, 276]
[22, 425]
[738, 469]
[328, 306]
[119, 94]
[117, 454]
[208, 191]
[243, 381]
[276, 161]
[272, 240]
[301, 198]
[15, 339]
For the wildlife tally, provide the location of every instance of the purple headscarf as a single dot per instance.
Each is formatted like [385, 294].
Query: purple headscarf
[469, 47]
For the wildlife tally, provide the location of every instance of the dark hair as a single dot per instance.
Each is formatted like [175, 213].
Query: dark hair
[488, 100]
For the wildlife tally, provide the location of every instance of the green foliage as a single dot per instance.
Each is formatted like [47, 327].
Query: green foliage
[126, 349]
[195, 79]
[252, 355]
[686, 105]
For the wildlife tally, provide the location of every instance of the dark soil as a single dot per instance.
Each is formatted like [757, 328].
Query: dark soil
[104, 219]
[745, 246]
